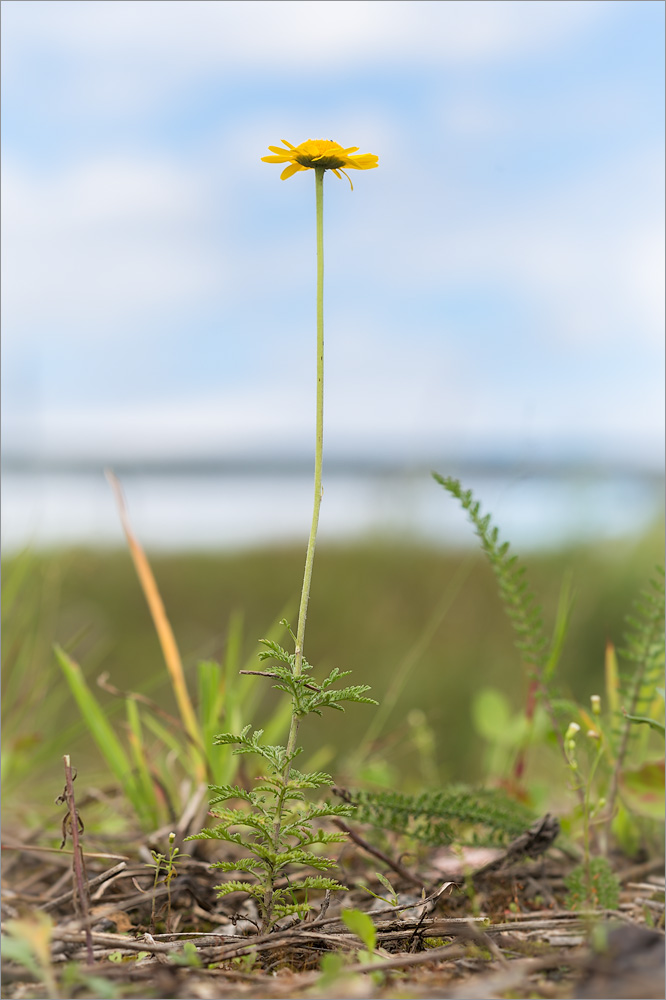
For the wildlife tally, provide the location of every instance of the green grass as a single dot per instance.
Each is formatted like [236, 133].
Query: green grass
[371, 605]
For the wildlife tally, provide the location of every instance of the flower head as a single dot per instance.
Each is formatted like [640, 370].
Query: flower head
[322, 153]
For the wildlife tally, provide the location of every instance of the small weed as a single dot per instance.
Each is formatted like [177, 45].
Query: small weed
[360, 924]
[592, 885]
[165, 863]
[391, 899]
[188, 957]
[633, 697]
[280, 821]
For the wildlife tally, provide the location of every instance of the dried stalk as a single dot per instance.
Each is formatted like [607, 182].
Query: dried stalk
[73, 825]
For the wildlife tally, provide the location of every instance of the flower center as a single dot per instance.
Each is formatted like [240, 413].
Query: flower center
[320, 153]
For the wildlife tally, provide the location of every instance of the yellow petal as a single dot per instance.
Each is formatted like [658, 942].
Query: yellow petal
[291, 170]
[288, 144]
[278, 149]
[364, 162]
[275, 159]
[352, 149]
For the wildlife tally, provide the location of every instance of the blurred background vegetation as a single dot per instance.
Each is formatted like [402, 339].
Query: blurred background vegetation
[385, 611]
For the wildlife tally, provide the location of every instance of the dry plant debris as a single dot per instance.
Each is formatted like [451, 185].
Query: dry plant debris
[501, 933]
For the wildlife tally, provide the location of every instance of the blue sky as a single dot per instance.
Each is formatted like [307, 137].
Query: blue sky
[496, 286]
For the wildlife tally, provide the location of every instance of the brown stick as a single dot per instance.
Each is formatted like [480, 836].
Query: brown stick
[53, 904]
[446, 953]
[76, 827]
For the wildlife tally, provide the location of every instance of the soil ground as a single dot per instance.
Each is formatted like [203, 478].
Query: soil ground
[500, 930]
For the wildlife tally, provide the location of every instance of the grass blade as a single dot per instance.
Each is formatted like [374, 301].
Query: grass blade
[164, 633]
[101, 731]
[144, 779]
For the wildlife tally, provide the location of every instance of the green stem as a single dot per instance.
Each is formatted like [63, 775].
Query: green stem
[319, 446]
[587, 822]
[309, 558]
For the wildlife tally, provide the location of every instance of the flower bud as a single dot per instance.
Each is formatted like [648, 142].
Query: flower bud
[595, 701]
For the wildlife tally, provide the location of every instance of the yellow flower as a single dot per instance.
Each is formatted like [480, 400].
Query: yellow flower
[319, 153]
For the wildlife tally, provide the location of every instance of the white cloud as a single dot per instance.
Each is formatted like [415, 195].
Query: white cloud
[380, 399]
[109, 243]
[200, 31]
[133, 53]
[98, 247]
[584, 253]
[90, 246]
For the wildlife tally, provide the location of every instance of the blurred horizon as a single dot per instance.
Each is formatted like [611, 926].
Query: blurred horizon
[246, 505]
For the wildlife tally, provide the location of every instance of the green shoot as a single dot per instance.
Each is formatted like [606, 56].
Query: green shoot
[391, 899]
[275, 814]
[450, 815]
[164, 863]
[521, 609]
[637, 681]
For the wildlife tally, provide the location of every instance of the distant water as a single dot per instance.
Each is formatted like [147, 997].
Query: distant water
[214, 511]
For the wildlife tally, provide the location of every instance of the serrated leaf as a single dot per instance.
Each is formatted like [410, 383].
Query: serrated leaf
[317, 882]
[226, 888]
[223, 792]
[224, 738]
[239, 865]
[218, 833]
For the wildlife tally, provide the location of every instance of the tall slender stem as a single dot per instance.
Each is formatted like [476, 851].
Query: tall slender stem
[319, 443]
[309, 558]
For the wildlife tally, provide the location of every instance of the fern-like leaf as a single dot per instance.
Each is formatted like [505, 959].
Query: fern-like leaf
[458, 813]
[218, 833]
[278, 818]
[221, 793]
[642, 670]
[316, 882]
[313, 780]
[314, 702]
[239, 865]
[521, 608]
[225, 888]
[642, 656]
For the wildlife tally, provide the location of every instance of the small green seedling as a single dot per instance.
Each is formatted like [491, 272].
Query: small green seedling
[360, 924]
[189, 956]
[392, 899]
[280, 823]
[165, 863]
[592, 885]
